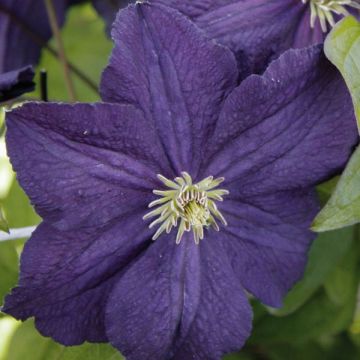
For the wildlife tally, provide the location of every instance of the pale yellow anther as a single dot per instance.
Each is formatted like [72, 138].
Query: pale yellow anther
[324, 10]
[191, 206]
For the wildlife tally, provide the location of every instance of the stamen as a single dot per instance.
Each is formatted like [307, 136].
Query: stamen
[324, 10]
[191, 205]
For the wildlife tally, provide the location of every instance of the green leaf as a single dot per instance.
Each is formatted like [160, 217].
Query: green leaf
[343, 208]
[18, 209]
[27, 337]
[326, 252]
[90, 352]
[8, 268]
[344, 278]
[342, 47]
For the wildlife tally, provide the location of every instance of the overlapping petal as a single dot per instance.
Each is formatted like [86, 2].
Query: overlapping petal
[179, 302]
[15, 83]
[83, 165]
[164, 66]
[293, 127]
[268, 238]
[89, 171]
[66, 276]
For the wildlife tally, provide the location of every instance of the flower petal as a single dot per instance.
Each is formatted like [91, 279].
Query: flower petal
[84, 165]
[66, 277]
[268, 238]
[179, 302]
[292, 127]
[166, 67]
[15, 83]
[222, 321]
[256, 30]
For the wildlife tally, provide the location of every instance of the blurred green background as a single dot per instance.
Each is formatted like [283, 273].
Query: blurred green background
[321, 315]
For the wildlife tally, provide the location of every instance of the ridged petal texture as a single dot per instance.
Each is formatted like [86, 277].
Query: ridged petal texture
[91, 271]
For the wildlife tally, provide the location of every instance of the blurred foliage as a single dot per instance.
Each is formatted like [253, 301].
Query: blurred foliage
[320, 318]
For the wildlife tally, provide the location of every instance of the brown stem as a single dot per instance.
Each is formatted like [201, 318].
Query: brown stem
[61, 50]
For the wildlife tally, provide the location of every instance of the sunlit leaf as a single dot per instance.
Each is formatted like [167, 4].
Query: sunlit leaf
[342, 47]
[343, 209]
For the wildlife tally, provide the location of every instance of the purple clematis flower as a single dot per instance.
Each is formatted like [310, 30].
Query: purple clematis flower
[15, 83]
[225, 176]
[260, 30]
[23, 35]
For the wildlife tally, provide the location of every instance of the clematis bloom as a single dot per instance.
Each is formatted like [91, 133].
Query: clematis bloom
[232, 168]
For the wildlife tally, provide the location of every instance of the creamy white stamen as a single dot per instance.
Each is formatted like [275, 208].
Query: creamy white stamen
[324, 10]
[187, 206]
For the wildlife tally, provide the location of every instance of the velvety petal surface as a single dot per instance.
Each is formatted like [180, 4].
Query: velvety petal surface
[164, 65]
[16, 83]
[179, 302]
[267, 239]
[258, 31]
[24, 30]
[66, 277]
[293, 127]
[83, 165]
[89, 171]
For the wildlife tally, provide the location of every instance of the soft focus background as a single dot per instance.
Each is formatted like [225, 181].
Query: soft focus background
[321, 315]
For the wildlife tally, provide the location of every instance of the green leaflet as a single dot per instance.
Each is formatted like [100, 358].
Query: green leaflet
[342, 47]
[343, 209]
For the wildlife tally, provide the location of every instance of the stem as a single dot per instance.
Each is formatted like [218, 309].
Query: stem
[42, 43]
[19, 233]
[62, 57]
[43, 86]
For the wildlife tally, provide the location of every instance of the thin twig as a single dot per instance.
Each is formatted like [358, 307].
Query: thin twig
[43, 44]
[43, 85]
[61, 50]
[19, 233]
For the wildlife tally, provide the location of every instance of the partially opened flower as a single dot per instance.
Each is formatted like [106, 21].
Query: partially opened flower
[24, 30]
[260, 30]
[15, 83]
[159, 211]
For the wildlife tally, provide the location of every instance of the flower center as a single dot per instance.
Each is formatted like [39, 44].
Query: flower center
[324, 10]
[191, 206]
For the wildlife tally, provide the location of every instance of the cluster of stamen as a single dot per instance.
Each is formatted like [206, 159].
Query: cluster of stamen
[191, 206]
[324, 10]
